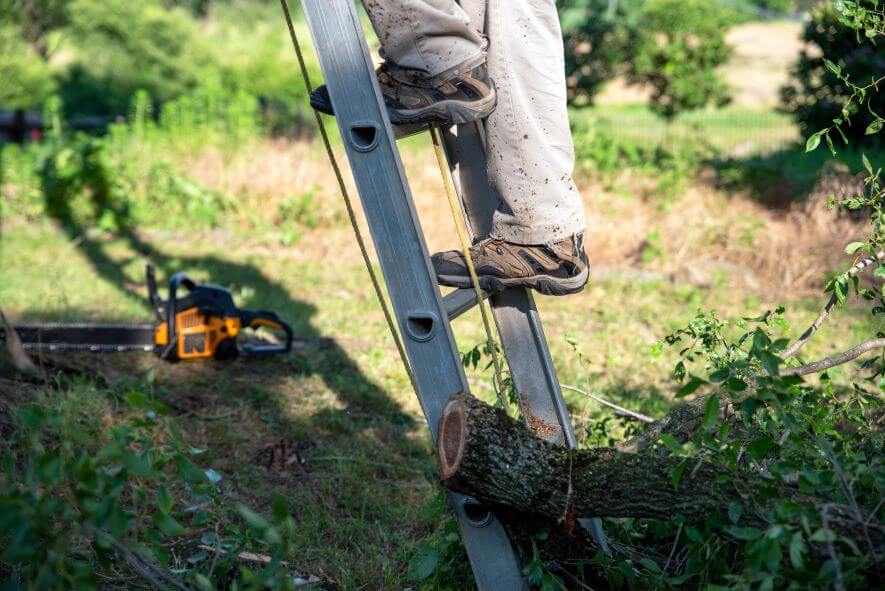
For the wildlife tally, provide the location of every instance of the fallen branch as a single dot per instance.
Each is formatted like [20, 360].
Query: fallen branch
[485, 454]
[618, 409]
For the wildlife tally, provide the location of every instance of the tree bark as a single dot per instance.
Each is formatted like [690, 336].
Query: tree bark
[484, 453]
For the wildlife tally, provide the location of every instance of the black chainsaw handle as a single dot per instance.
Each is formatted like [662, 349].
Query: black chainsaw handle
[258, 318]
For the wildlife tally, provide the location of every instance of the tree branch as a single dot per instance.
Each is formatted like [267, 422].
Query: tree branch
[835, 360]
[825, 312]
[618, 409]
[685, 418]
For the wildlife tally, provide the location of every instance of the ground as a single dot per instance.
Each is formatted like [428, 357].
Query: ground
[333, 426]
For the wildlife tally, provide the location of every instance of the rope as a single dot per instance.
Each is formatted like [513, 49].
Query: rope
[348, 204]
[435, 135]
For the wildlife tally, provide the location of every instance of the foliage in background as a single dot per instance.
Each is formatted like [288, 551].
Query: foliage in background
[131, 46]
[36, 20]
[27, 78]
[821, 93]
[673, 47]
[681, 46]
[598, 37]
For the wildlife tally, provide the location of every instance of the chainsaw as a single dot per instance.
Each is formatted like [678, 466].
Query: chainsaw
[196, 322]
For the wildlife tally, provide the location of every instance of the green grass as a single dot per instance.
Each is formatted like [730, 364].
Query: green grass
[731, 129]
[366, 497]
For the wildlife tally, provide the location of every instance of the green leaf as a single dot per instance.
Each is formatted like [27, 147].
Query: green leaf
[651, 565]
[813, 142]
[734, 512]
[677, 473]
[189, 471]
[671, 443]
[770, 362]
[832, 67]
[759, 448]
[168, 525]
[690, 387]
[423, 563]
[797, 549]
[854, 247]
[746, 534]
[711, 413]
[164, 500]
[137, 399]
[252, 518]
[736, 385]
[874, 127]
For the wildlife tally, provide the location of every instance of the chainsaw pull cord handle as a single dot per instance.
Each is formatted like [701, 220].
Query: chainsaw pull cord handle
[257, 318]
[174, 282]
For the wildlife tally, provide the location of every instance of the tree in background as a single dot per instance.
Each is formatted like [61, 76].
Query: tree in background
[131, 46]
[36, 19]
[670, 45]
[27, 80]
[820, 92]
[597, 36]
[681, 45]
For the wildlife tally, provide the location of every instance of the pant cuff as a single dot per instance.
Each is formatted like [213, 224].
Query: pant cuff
[537, 234]
[425, 80]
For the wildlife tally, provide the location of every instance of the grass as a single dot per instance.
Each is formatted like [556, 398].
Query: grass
[740, 130]
[365, 498]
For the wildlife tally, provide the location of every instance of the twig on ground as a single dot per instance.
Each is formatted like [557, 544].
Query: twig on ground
[618, 409]
[673, 549]
[156, 576]
[825, 312]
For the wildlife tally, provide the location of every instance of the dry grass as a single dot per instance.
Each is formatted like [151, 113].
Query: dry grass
[699, 235]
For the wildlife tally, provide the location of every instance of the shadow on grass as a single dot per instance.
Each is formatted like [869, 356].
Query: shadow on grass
[336, 439]
[791, 175]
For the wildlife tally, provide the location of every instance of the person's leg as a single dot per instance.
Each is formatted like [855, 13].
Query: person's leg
[434, 63]
[537, 232]
[425, 42]
[531, 155]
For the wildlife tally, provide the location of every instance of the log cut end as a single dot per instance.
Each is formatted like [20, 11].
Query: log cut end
[451, 437]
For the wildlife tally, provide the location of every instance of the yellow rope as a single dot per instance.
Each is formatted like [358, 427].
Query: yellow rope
[436, 136]
[347, 203]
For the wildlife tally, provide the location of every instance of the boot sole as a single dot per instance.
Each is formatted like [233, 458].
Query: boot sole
[449, 112]
[544, 284]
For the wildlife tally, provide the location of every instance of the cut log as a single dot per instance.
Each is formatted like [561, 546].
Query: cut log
[483, 453]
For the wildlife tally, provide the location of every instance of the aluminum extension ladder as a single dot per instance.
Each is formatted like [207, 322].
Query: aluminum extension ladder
[423, 315]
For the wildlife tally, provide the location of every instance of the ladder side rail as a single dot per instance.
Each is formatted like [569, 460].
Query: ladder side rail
[519, 325]
[399, 242]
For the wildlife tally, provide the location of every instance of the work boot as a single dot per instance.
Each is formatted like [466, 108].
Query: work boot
[464, 98]
[556, 269]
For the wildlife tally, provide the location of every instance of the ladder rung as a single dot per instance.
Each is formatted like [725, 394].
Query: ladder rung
[460, 301]
[409, 129]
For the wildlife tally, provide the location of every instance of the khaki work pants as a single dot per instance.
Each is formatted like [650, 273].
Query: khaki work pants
[529, 142]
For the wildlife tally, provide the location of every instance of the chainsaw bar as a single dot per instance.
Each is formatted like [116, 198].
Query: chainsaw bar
[102, 338]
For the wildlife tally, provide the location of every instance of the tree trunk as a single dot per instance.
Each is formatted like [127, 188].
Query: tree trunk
[485, 454]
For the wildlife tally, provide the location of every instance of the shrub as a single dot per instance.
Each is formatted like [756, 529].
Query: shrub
[127, 46]
[680, 46]
[819, 93]
[87, 490]
[26, 79]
